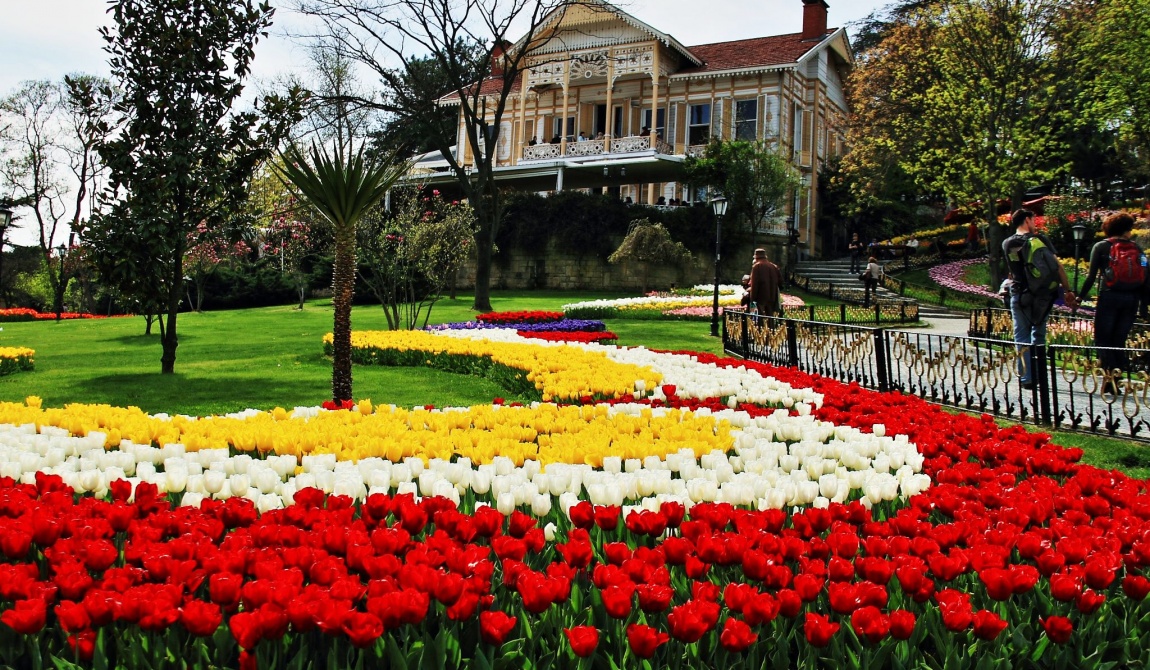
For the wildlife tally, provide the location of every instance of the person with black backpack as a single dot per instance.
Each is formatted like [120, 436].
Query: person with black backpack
[1037, 280]
[1120, 266]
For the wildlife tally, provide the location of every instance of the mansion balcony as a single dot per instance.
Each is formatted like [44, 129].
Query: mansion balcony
[610, 147]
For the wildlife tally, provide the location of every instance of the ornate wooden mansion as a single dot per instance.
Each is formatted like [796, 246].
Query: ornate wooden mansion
[608, 101]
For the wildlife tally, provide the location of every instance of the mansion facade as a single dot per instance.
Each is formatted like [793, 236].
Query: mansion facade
[609, 102]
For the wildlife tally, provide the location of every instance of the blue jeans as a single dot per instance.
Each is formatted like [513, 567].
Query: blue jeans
[1028, 331]
[1112, 323]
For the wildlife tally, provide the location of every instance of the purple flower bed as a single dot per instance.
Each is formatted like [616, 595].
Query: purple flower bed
[565, 325]
[949, 276]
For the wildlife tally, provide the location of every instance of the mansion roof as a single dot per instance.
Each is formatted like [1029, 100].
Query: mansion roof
[736, 56]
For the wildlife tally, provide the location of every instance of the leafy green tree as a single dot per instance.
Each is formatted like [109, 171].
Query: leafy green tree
[1116, 48]
[379, 34]
[342, 187]
[411, 257]
[969, 99]
[753, 176]
[650, 244]
[181, 156]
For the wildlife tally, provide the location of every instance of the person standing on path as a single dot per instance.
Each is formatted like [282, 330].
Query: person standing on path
[856, 249]
[1037, 276]
[871, 276]
[1122, 266]
[765, 283]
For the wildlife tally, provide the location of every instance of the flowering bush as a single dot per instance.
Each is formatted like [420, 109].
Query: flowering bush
[848, 527]
[16, 359]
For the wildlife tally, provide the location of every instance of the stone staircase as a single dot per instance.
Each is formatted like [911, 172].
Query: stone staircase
[838, 272]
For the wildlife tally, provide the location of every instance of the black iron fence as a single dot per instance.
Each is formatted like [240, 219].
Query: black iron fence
[1060, 328]
[882, 312]
[1073, 390]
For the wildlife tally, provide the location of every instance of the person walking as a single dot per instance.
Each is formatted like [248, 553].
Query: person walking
[1036, 278]
[870, 277]
[856, 249]
[1120, 266]
[765, 283]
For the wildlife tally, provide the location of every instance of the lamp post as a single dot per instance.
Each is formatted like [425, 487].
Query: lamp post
[5, 221]
[1079, 230]
[719, 207]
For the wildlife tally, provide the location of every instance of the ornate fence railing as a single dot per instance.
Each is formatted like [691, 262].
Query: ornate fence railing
[882, 312]
[1060, 328]
[1072, 390]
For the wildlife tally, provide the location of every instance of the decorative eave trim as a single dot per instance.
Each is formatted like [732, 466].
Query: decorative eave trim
[716, 74]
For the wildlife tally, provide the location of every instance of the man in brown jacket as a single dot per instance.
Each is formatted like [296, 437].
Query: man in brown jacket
[765, 282]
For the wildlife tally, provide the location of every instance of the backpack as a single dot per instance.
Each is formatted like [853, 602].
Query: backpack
[1127, 269]
[1041, 278]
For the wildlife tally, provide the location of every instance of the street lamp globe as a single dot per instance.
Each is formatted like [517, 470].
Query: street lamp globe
[719, 206]
[1079, 231]
[5, 217]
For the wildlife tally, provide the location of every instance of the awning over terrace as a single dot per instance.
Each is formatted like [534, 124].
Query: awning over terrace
[567, 173]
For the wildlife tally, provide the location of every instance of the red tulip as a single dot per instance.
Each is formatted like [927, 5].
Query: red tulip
[819, 630]
[870, 623]
[617, 600]
[73, 617]
[691, 620]
[761, 608]
[654, 598]
[607, 516]
[363, 629]
[495, 626]
[583, 640]
[737, 636]
[987, 624]
[26, 617]
[1058, 628]
[902, 624]
[200, 618]
[644, 640]
[247, 629]
[1089, 601]
[583, 515]
[1136, 586]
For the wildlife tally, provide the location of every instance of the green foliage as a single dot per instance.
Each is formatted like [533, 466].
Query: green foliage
[647, 244]
[592, 225]
[181, 156]
[409, 259]
[342, 187]
[753, 176]
[1118, 48]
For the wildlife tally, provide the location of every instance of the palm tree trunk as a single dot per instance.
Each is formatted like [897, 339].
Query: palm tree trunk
[343, 288]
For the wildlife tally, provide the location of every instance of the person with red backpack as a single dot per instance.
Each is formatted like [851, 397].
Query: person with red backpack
[1119, 265]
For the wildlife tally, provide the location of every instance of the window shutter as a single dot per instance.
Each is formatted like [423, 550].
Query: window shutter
[717, 118]
[673, 125]
[769, 113]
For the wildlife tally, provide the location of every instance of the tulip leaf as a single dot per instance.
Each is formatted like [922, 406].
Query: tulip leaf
[100, 656]
[1039, 648]
[394, 656]
[61, 664]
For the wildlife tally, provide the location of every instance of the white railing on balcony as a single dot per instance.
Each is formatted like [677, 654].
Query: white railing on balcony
[625, 145]
[585, 148]
[696, 150]
[580, 149]
[541, 151]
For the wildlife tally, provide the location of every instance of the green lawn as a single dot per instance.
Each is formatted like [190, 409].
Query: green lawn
[263, 358]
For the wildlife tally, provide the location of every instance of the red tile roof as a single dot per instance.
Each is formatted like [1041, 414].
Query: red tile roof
[756, 52]
[490, 86]
[716, 57]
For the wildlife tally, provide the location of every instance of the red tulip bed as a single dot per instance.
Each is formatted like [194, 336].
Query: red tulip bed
[1015, 556]
[26, 314]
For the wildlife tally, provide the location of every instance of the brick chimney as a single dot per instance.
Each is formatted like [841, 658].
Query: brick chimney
[814, 19]
[497, 51]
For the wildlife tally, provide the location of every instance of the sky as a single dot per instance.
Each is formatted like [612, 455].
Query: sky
[46, 39]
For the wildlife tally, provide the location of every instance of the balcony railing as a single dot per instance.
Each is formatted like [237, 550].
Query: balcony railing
[585, 148]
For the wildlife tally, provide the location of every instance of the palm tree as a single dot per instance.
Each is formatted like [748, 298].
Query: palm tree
[342, 187]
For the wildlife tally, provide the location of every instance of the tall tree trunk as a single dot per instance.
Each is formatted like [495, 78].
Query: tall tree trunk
[169, 340]
[483, 241]
[58, 294]
[995, 235]
[343, 288]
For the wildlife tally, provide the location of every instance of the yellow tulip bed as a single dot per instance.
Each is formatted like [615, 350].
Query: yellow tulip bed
[545, 433]
[16, 359]
[556, 373]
